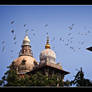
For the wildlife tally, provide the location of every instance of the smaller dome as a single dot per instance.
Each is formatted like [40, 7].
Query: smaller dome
[47, 53]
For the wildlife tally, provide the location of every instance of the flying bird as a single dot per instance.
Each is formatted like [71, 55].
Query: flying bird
[14, 38]
[69, 34]
[60, 39]
[3, 42]
[12, 31]
[71, 27]
[3, 48]
[12, 22]
[82, 43]
[46, 25]
[66, 44]
[32, 29]
[15, 42]
[33, 34]
[25, 25]
[11, 50]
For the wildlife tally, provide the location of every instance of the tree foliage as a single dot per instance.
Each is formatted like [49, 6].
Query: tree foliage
[10, 78]
[79, 79]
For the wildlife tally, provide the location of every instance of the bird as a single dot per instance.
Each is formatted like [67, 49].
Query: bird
[12, 31]
[72, 24]
[47, 33]
[89, 31]
[71, 38]
[85, 33]
[69, 34]
[46, 25]
[32, 29]
[3, 48]
[71, 47]
[33, 34]
[3, 42]
[82, 43]
[60, 39]
[79, 48]
[14, 37]
[70, 41]
[12, 22]
[15, 42]
[26, 31]
[25, 25]
[66, 44]
[11, 50]
[53, 47]
[70, 27]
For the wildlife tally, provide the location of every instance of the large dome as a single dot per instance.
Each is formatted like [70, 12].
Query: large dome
[24, 64]
[47, 53]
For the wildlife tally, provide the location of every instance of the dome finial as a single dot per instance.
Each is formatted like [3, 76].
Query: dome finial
[47, 46]
[26, 40]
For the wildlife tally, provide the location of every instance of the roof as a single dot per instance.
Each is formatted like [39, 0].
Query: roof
[50, 65]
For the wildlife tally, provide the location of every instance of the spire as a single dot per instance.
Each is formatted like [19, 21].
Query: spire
[26, 47]
[26, 40]
[47, 46]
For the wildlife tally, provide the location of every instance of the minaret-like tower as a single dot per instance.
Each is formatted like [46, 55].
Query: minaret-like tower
[26, 48]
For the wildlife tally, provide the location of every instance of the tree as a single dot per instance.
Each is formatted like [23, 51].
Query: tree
[11, 78]
[79, 79]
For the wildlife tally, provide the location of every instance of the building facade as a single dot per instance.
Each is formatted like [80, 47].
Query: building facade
[27, 64]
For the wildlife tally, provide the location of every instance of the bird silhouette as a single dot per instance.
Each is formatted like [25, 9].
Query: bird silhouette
[71, 27]
[32, 29]
[12, 22]
[12, 31]
[3, 42]
[46, 25]
[3, 49]
[14, 37]
[33, 34]
[66, 44]
[15, 42]
[11, 50]
[69, 34]
[25, 25]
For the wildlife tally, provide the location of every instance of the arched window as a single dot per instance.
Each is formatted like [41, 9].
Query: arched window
[23, 62]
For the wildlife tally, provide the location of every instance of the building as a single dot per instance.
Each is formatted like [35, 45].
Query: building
[27, 64]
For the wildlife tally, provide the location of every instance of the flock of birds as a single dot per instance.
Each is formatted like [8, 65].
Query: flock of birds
[68, 41]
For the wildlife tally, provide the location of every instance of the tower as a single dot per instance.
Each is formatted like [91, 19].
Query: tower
[26, 47]
[25, 62]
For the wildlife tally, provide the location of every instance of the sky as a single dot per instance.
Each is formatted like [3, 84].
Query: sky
[69, 28]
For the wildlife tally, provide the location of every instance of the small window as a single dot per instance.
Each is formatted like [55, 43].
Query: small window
[23, 62]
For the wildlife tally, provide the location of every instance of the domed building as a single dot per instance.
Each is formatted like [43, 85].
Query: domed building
[48, 65]
[47, 54]
[25, 62]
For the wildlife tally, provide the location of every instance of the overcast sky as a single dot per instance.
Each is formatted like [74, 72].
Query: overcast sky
[69, 28]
